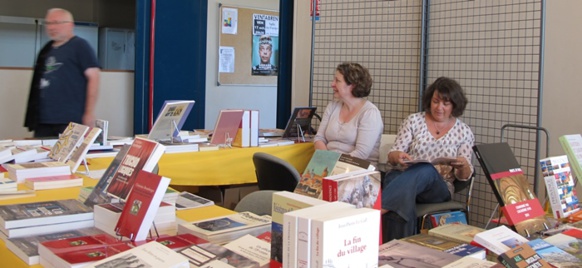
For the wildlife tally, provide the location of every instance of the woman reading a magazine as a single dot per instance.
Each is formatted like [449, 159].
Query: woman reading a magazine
[435, 133]
[351, 124]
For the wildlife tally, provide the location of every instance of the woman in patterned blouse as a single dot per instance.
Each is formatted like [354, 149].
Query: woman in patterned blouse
[437, 132]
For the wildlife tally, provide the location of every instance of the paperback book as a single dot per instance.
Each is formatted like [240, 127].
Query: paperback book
[99, 193]
[560, 186]
[42, 213]
[187, 200]
[152, 254]
[54, 182]
[522, 256]
[402, 254]
[21, 172]
[79, 153]
[226, 127]
[461, 233]
[439, 219]
[71, 137]
[572, 145]
[554, 255]
[170, 120]
[211, 255]
[499, 239]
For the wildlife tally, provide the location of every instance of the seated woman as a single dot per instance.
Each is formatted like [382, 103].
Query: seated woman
[436, 132]
[351, 124]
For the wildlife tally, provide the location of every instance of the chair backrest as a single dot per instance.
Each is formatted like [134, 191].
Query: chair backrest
[386, 142]
[274, 173]
[258, 202]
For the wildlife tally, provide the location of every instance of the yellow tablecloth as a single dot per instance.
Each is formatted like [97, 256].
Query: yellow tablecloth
[222, 167]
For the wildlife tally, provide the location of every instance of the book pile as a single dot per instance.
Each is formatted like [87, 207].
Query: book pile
[447, 245]
[107, 215]
[7, 185]
[220, 230]
[44, 217]
[21, 172]
[53, 182]
[151, 254]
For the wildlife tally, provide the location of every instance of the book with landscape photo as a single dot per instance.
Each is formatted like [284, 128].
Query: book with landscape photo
[403, 254]
[325, 163]
[222, 229]
[522, 256]
[572, 145]
[569, 241]
[71, 137]
[187, 200]
[560, 186]
[554, 255]
[439, 219]
[143, 154]
[499, 239]
[284, 202]
[170, 120]
[141, 206]
[360, 188]
[99, 194]
[252, 248]
[517, 201]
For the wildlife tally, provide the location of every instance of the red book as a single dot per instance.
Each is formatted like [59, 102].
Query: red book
[142, 155]
[142, 205]
[226, 126]
[180, 241]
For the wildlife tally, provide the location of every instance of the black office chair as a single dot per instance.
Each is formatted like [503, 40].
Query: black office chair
[274, 173]
[423, 211]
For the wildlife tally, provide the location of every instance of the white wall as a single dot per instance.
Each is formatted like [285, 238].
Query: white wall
[262, 98]
[115, 102]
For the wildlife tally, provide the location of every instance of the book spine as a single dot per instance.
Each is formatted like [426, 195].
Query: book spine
[289, 241]
[303, 242]
[329, 190]
[316, 245]
[554, 196]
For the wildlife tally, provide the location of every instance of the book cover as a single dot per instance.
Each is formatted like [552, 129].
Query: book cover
[252, 248]
[243, 135]
[572, 145]
[499, 239]
[225, 228]
[141, 206]
[170, 120]
[52, 182]
[143, 154]
[99, 194]
[461, 233]
[180, 241]
[468, 250]
[517, 201]
[79, 153]
[187, 200]
[209, 254]
[41, 213]
[226, 126]
[560, 186]
[439, 219]
[104, 135]
[569, 241]
[554, 255]
[284, 202]
[403, 254]
[67, 142]
[345, 239]
[360, 188]
[152, 254]
[299, 122]
[522, 256]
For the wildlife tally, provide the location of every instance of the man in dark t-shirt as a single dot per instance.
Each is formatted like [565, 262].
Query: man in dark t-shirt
[66, 79]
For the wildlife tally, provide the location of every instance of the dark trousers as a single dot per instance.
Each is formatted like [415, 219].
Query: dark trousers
[49, 130]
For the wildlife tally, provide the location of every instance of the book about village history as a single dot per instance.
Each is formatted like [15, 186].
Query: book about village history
[572, 145]
[71, 137]
[99, 193]
[519, 205]
[143, 154]
[325, 163]
[554, 255]
[522, 256]
[560, 186]
[284, 202]
[170, 120]
[141, 206]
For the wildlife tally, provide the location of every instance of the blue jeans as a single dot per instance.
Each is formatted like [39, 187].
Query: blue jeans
[420, 183]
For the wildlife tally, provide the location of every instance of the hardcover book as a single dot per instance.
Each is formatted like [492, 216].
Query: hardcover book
[572, 145]
[560, 186]
[522, 256]
[152, 254]
[42, 213]
[284, 202]
[99, 194]
[141, 206]
[518, 203]
[403, 254]
[170, 120]
[220, 230]
[71, 137]
[226, 127]
[143, 154]
[325, 163]
[499, 239]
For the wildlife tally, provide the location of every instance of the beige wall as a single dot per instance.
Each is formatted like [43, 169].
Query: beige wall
[302, 26]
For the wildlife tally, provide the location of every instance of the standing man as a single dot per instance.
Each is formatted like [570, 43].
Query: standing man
[65, 82]
[265, 52]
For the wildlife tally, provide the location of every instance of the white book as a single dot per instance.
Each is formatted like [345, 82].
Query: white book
[243, 136]
[254, 125]
[345, 239]
[41, 213]
[80, 151]
[152, 254]
[252, 248]
[21, 172]
[187, 200]
[297, 232]
[47, 228]
[499, 239]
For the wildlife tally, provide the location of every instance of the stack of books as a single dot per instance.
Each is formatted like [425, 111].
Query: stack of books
[246, 251]
[44, 217]
[107, 215]
[53, 182]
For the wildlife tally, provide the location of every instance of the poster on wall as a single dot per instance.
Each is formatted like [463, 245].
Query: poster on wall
[226, 59]
[229, 20]
[265, 43]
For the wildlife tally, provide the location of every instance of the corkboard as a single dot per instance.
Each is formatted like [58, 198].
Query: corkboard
[243, 44]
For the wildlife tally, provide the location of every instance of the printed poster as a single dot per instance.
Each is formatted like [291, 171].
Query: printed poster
[265, 44]
[229, 20]
[226, 59]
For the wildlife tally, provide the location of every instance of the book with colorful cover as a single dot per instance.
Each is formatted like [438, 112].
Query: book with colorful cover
[326, 163]
[99, 193]
[499, 239]
[170, 120]
[226, 126]
[284, 202]
[569, 241]
[401, 254]
[141, 206]
[560, 186]
[143, 154]
[26, 248]
[42, 213]
[80, 151]
[360, 188]
[71, 137]
[554, 255]
[439, 219]
[519, 205]
[572, 145]
[522, 256]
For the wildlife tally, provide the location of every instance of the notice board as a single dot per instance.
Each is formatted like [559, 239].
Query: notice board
[244, 35]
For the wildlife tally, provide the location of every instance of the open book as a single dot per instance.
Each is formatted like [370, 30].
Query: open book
[436, 161]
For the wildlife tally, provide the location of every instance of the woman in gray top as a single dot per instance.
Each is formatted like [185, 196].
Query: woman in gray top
[351, 124]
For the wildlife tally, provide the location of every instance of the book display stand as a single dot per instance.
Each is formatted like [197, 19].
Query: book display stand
[131, 238]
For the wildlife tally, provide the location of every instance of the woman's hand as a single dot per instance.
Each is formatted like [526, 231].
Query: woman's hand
[462, 168]
[397, 158]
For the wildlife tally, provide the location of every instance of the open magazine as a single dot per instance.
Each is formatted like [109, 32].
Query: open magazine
[436, 161]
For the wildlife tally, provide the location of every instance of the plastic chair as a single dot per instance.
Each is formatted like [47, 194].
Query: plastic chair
[258, 202]
[274, 173]
[425, 210]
